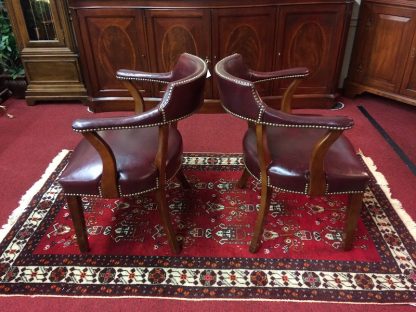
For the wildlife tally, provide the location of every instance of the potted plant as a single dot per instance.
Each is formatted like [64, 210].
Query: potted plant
[11, 68]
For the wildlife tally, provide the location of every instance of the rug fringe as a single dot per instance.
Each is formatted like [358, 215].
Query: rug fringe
[26, 198]
[397, 205]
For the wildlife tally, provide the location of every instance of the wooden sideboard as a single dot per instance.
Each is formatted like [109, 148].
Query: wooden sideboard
[270, 34]
[384, 55]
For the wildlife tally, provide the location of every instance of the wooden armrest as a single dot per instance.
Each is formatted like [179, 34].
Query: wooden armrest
[109, 175]
[317, 177]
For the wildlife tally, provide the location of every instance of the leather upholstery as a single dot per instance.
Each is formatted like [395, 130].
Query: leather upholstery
[291, 138]
[292, 153]
[290, 150]
[239, 96]
[134, 139]
[134, 150]
[129, 74]
[181, 98]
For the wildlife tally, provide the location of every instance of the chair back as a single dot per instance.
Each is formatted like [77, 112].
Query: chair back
[237, 93]
[185, 92]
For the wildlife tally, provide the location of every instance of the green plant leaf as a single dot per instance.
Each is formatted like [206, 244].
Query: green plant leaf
[9, 54]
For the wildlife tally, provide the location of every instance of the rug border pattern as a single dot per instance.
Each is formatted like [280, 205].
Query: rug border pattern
[208, 281]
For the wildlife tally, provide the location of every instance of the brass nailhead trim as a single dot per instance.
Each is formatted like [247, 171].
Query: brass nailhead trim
[141, 79]
[133, 127]
[297, 192]
[282, 77]
[262, 107]
[284, 125]
[161, 105]
[126, 195]
[249, 83]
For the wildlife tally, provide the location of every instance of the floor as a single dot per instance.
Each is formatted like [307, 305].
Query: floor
[37, 133]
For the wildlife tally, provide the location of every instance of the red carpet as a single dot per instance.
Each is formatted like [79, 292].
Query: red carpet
[397, 115]
[38, 133]
[300, 257]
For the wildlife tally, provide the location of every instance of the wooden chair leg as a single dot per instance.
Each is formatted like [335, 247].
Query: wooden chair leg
[164, 215]
[353, 214]
[243, 179]
[77, 215]
[264, 208]
[182, 179]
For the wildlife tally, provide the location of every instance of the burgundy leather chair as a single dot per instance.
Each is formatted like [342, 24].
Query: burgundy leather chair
[290, 153]
[129, 156]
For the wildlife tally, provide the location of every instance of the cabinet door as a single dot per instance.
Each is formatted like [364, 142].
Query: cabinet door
[408, 87]
[111, 39]
[386, 39]
[249, 32]
[173, 32]
[311, 36]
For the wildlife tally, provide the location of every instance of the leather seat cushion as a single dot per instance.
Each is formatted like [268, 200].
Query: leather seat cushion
[134, 150]
[291, 149]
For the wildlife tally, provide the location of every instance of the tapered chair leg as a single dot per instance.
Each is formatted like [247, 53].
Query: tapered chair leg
[182, 179]
[164, 215]
[264, 208]
[353, 214]
[77, 215]
[242, 183]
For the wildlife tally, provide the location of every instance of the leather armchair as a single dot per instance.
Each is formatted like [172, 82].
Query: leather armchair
[287, 152]
[130, 156]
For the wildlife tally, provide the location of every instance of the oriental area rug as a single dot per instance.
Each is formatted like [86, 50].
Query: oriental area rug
[301, 258]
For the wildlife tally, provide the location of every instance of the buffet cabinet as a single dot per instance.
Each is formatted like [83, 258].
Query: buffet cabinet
[384, 55]
[48, 50]
[150, 35]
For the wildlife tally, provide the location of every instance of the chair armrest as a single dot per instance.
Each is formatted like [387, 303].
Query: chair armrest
[298, 72]
[153, 117]
[277, 118]
[126, 74]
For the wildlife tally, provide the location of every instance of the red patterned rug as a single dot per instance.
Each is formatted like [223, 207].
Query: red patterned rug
[300, 258]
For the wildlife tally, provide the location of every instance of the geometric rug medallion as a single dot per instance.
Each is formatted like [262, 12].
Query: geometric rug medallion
[300, 258]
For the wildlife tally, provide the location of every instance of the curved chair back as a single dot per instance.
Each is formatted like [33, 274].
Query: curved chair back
[185, 93]
[237, 93]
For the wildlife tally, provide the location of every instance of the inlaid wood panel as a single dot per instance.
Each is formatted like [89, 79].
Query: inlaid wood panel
[310, 36]
[173, 32]
[249, 32]
[211, 30]
[113, 39]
